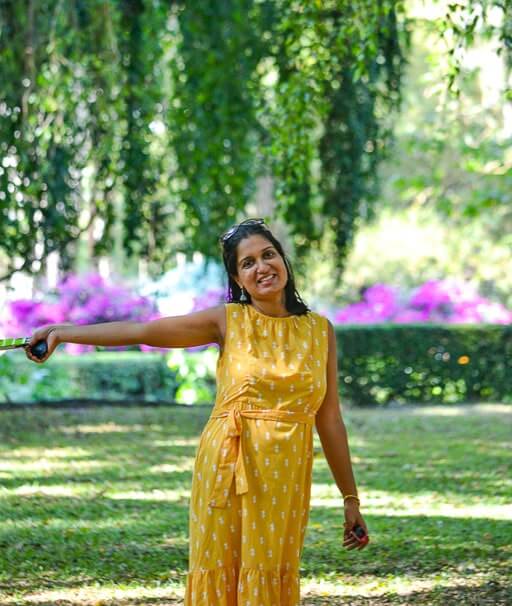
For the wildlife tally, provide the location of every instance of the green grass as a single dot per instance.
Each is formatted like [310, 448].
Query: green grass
[94, 507]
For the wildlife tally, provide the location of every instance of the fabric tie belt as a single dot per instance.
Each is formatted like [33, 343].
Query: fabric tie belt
[231, 457]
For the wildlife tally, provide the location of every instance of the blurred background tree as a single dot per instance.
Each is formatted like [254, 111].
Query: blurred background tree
[149, 126]
[444, 207]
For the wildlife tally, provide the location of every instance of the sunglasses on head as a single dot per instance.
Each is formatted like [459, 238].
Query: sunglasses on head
[233, 230]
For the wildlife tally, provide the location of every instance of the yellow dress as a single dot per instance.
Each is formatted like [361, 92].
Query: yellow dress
[251, 485]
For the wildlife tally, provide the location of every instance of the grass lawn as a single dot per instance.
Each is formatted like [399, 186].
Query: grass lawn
[94, 508]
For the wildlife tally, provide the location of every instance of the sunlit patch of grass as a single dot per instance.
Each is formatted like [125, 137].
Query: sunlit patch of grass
[187, 465]
[177, 442]
[401, 585]
[57, 490]
[45, 465]
[51, 453]
[475, 409]
[94, 507]
[152, 495]
[102, 596]
[105, 428]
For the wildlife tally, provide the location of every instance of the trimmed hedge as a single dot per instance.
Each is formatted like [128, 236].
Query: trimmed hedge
[132, 374]
[424, 363]
[102, 376]
[378, 364]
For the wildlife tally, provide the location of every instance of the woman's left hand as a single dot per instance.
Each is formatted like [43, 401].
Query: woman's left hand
[353, 518]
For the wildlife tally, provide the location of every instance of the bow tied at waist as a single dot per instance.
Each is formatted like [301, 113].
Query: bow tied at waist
[231, 457]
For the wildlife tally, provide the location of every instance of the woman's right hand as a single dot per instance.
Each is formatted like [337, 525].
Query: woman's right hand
[46, 333]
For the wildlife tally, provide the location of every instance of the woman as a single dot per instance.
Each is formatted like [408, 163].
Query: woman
[276, 378]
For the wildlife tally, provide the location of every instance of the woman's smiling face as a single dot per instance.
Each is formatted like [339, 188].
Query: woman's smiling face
[261, 269]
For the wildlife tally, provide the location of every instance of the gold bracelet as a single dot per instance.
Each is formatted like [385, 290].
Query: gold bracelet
[353, 496]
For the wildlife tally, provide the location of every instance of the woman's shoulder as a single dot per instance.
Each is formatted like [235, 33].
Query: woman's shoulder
[317, 315]
[320, 320]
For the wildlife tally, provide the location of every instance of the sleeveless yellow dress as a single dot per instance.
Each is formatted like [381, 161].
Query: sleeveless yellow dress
[251, 484]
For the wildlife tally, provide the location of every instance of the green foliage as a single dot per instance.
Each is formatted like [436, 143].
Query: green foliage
[45, 115]
[171, 114]
[142, 24]
[424, 363]
[180, 376]
[195, 375]
[212, 114]
[349, 68]
[81, 87]
[445, 202]
[21, 382]
[457, 158]
[295, 91]
[464, 22]
[9, 377]
[131, 375]
[105, 375]
[161, 117]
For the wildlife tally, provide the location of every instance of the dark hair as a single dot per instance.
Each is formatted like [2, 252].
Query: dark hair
[293, 302]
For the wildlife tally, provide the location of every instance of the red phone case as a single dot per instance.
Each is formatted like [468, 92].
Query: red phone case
[360, 535]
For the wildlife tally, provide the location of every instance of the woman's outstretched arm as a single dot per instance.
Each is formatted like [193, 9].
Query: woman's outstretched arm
[189, 330]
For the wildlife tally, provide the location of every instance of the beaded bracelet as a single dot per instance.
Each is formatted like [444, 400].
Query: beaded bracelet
[353, 496]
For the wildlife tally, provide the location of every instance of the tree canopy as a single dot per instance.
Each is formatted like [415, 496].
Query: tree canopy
[167, 115]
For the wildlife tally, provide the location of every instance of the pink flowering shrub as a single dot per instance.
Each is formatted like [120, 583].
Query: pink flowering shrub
[210, 298]
[80, 299]
[443, 301]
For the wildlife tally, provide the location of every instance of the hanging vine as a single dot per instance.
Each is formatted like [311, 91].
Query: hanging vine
[173, 113]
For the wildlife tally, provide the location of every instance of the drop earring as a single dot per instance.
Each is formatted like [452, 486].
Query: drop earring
[243, 296]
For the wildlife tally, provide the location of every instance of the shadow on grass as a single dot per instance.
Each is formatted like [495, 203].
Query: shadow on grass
[486, 594]
[154, 542]
[406, 545]
[50, 541]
